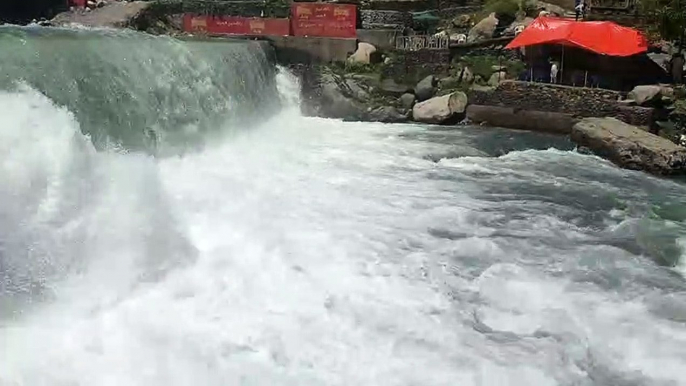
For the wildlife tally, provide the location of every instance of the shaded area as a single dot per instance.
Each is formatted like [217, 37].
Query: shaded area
[23, 11]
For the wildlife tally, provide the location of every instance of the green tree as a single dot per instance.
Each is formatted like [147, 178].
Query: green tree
[666, 17]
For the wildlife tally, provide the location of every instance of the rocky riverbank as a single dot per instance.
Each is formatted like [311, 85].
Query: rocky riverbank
[589, 116]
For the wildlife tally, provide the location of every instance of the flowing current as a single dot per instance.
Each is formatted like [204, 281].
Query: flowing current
[167, 217]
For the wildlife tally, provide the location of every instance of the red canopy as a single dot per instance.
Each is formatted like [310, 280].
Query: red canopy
[601, 37]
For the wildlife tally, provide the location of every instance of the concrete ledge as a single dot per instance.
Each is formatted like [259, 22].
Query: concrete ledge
[512, 118]
[307, 50]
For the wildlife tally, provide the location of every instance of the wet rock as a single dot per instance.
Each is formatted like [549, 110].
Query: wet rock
[364, 53]
[644, 95]
[444, 109]
[356, 89]
[328, 95]
[426, 88]
[483, 29]
[630, 147]
[407, 100]
[514, 118]
[386, 114]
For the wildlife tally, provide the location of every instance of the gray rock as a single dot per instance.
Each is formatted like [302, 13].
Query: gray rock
[483, 29]
[407, 100]
[390, 87]
[448, 83]
[334, 99]
[644, 95]
[497, 78]
[426, 88]
[364, 53]
[630, 147]
[466, 76]
[443, 109]
[358, 92]
[514, 118]
[387, 114]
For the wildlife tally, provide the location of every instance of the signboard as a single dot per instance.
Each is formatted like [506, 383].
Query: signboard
[229, 25]
[324, 20]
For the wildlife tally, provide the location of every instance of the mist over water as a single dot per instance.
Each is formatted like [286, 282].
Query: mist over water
[267, 248]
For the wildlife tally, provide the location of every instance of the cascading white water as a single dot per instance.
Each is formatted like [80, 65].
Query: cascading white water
[304, 251]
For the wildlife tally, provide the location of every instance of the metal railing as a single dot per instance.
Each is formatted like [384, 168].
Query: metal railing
[422, 42]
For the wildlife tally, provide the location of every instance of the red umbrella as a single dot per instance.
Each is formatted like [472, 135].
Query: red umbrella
[601, 37]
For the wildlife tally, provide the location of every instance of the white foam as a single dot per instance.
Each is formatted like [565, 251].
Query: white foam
[309, 262]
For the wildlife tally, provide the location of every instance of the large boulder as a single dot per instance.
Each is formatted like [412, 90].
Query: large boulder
[329, 95]
[645, 95]
[426, 88]
[630, 147]
[484, 29]
[407, 100]
[443, 109]
[364, 53]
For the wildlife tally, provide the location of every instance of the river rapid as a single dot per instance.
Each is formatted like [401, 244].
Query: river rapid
[168, 217]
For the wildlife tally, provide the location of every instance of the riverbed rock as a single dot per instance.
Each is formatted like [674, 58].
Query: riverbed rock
[630, 147]
[364, 53]
[484, 29]
[386, 114]
[645, 95]
[426, 88]
[407, 100]
[444, 109]
[328, 95]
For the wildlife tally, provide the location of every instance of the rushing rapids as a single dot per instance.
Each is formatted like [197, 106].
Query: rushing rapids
[167, 217]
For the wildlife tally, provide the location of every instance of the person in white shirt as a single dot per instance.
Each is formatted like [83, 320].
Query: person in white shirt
[553, 72]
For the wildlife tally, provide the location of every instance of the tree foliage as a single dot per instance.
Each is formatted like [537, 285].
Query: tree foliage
[666, 17]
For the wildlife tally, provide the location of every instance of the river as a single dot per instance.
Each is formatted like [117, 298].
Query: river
[168, 217]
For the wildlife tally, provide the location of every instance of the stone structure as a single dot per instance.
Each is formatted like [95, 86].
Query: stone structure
[579, 102]
[376, 19]
[412, 66]
[306, 50]
[513, 118]
[383, 39]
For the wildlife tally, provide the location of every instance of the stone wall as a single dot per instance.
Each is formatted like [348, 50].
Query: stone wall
[383, 39]
[577, 101]
[311, 50]
[411, 66]
[372, 19]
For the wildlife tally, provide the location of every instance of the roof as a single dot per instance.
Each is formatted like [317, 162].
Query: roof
[601, 37]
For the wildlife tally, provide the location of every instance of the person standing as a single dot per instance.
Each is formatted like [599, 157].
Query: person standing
[553, 71]
[676, 68]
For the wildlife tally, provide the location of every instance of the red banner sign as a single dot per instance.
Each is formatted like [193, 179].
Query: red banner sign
[324, 20]
[229, 25]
